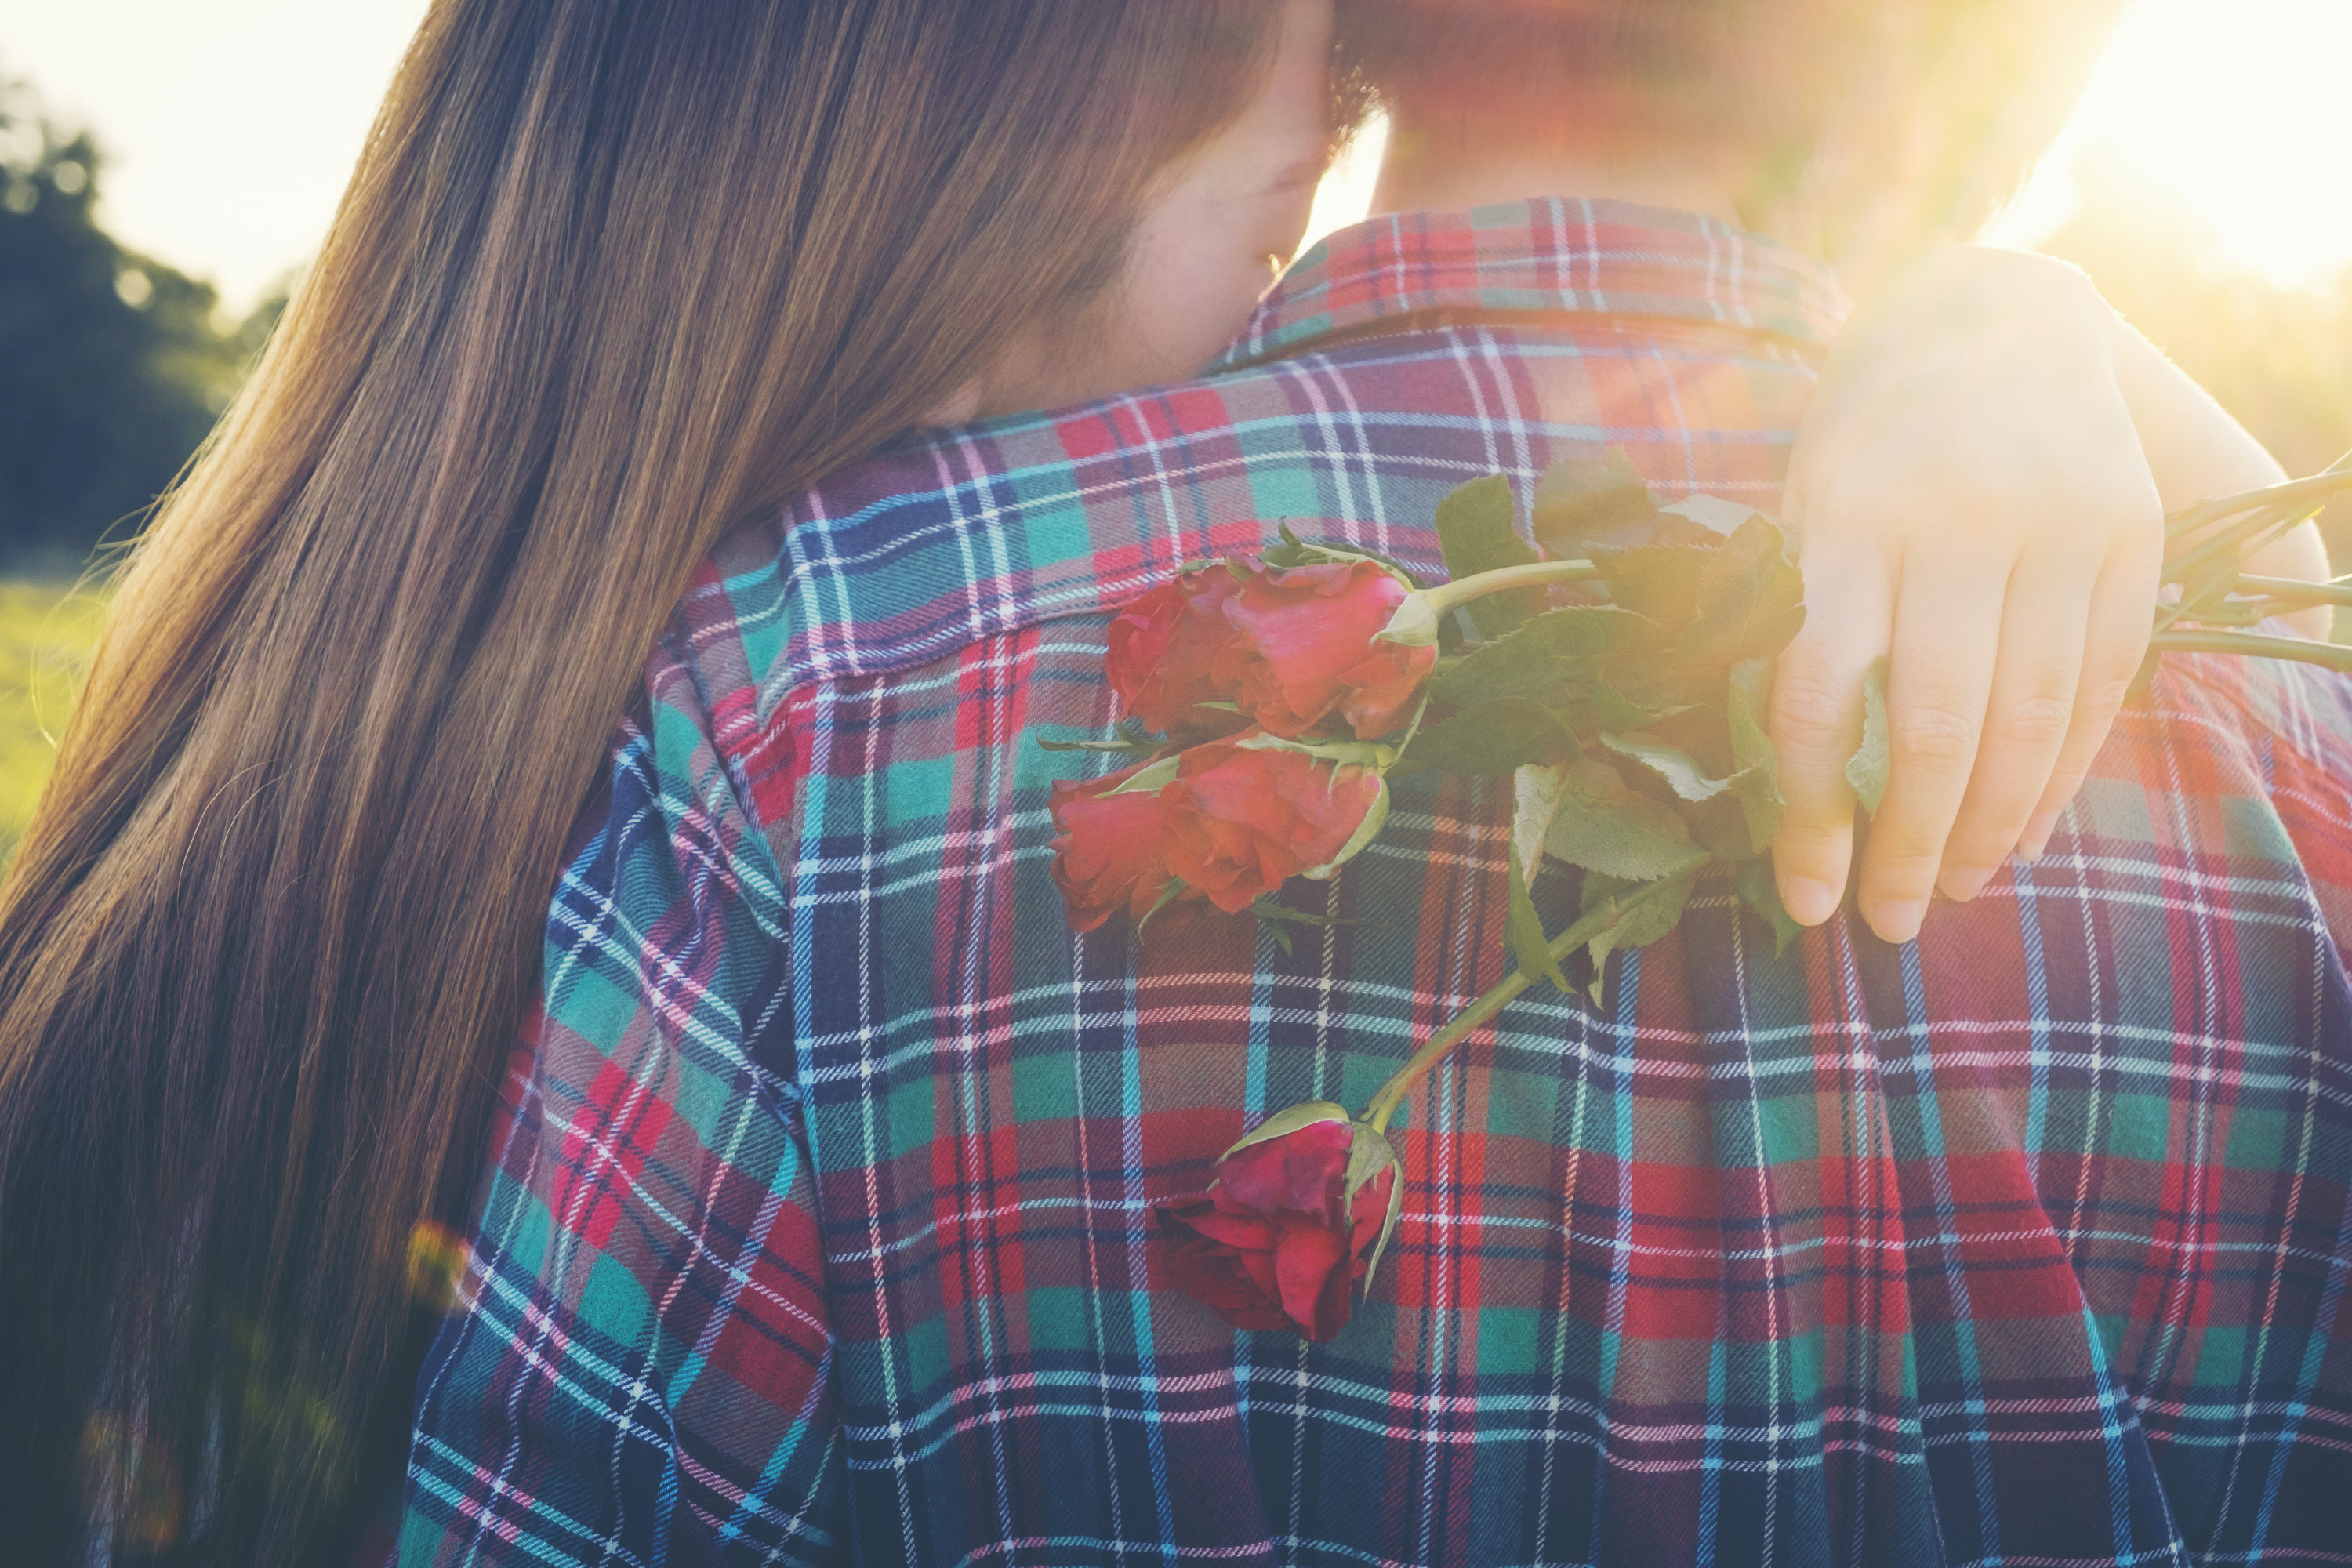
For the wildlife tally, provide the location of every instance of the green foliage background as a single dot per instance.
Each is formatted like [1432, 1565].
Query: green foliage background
[113, 365]
[46, 632]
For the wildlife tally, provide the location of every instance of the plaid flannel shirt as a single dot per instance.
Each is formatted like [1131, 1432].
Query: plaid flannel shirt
[817, 1222]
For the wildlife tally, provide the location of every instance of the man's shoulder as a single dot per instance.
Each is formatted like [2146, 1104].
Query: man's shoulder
[953, 534]
[1394, 360]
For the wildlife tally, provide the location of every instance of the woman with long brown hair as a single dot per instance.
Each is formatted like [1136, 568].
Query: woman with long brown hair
[609, 277]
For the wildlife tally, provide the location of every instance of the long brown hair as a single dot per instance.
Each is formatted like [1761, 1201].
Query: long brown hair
[610, 274]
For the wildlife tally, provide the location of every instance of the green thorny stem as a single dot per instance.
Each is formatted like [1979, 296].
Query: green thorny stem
[1438, 601]
[1417, 619]
[2211, 566]
[2252, 644]
[1594, 922]
[1503, 579]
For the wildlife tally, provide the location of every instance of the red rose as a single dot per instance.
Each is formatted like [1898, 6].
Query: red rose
[1297, 1214]
[1305, 649]
[1162, 647]
[1107, 854]
[1243, 817]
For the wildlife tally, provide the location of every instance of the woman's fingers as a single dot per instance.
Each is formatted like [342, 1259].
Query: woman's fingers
[2031, 712]
[2116, 642]
[1941, 662]
[2005, 674]
[1816, 721]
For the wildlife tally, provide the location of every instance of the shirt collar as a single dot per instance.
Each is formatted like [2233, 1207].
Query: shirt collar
[1540, 258]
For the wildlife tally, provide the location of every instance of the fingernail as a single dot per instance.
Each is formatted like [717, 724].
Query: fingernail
[2038, 830]
[1898, 923]
[1809, 900]
[1962, 883]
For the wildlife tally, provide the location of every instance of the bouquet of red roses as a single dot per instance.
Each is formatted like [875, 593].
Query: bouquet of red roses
[1617, 670]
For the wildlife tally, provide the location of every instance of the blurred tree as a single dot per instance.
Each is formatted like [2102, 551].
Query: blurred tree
[2278, 358]
[112, 366]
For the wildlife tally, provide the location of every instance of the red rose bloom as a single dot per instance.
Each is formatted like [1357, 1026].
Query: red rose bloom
[1277, 1241]
[1305, 649]
[1162, 647]
[1243, 820]
[1106, 855]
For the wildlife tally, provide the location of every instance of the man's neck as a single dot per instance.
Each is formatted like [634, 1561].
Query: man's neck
[1451, 167]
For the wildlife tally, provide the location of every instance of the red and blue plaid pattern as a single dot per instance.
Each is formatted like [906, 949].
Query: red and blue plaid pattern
[817, 1226]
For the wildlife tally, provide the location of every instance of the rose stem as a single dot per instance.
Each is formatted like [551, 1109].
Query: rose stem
[2261, 515]
[2336, 477]
[1503, 579]
[2289, 593]
[2251, 532]
[2273, 511]
[1592, 924]
[2335, 655]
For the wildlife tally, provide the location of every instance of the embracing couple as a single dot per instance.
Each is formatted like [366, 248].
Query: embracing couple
[538, 1023]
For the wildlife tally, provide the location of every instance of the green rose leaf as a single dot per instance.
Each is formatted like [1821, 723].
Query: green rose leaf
[1659, 580]
[1523, 929]
[1719, 826]
[1476, 532]
[1641, 925]
[1757, 779]
[1646, 922]
[1868, 768]
[1760, 891]
[1582, 505]
[1714, 513]
[1603, 826]
[1548, 651]
[1677, 767]
[1535, 795]
[1615, 711]
[1750, 600]
[1493, 737]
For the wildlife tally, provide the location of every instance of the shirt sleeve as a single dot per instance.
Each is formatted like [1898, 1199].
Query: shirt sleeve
[638, 1367]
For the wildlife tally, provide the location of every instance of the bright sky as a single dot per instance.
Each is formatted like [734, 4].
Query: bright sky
[2239, 106]
[232, 124]
[230, 127]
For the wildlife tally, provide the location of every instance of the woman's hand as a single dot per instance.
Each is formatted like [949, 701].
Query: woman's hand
[1975, 497]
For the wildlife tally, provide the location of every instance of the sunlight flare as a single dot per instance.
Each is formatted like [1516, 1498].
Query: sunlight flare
[2237, 108]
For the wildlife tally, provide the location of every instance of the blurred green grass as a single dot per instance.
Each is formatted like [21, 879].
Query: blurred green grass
[47, 629]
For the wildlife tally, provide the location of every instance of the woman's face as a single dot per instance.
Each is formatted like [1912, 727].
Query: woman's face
[1204, 250]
